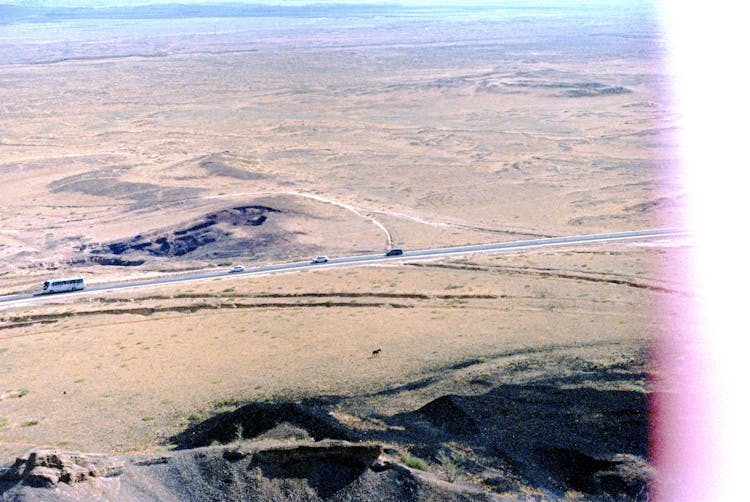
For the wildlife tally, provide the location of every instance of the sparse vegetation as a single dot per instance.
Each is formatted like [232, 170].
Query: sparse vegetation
[414, 462]
[474, 168]
[225, 406]
[238, 433]
[634, 387]
[450, 464]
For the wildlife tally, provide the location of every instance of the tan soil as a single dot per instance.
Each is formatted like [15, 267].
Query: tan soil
[439, 146]
[92, 378]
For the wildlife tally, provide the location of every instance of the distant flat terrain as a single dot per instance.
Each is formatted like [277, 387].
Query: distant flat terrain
[447, 130]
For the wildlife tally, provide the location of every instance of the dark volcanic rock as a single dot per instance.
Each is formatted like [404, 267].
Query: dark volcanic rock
[448, 413]
[263, 420]
[213, 228]
[267, 471]
[553, 438]
[547, 440]
[615, 476]
[326, 469]
[117, 248]
[103, 260]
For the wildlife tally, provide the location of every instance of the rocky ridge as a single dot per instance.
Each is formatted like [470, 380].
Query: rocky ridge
[252, 470]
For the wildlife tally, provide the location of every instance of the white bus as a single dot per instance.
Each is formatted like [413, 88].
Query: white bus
[61, 285]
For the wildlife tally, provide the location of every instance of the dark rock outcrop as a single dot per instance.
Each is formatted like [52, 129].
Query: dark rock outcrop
[448, 413]
[256, 471]
[258, 420]
[213, 235]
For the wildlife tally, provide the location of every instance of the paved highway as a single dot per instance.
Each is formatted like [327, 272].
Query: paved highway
[422, 254]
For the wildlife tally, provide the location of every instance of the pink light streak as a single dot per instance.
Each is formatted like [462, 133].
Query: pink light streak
[699, 415]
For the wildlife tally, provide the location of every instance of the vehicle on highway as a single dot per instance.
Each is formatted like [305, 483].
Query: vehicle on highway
[319, 259]
[236, 268]
[62, 285]
[394, 252]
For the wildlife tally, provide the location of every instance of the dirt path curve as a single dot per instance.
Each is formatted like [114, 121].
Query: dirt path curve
[359, 211]
[368, 214]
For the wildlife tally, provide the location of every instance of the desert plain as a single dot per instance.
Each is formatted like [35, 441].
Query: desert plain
[142, 153]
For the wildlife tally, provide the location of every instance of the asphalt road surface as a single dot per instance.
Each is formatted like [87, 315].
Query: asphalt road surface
[421, 254]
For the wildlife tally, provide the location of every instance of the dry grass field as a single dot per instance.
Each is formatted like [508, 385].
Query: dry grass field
[127, 372]
[341, 140]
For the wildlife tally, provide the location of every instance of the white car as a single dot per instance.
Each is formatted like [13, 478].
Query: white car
[236, 268]
[319, 259]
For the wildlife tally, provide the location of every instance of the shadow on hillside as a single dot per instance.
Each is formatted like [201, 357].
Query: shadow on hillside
[548, 435]
[273, 420]
[553, 438]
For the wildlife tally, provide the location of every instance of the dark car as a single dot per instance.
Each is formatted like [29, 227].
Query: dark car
[395, 252]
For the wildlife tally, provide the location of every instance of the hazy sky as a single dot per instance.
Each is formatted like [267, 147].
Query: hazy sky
[457, 3]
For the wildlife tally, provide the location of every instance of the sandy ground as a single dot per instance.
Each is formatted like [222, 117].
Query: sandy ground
[403, 137]
[93, 381]
[454, 144]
